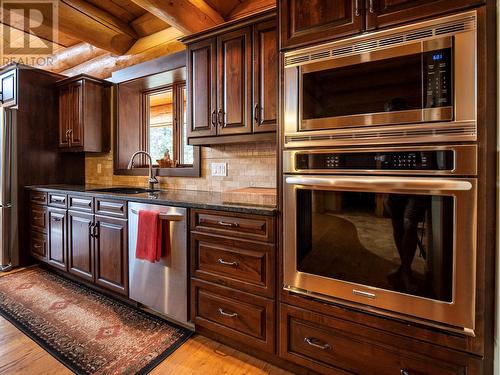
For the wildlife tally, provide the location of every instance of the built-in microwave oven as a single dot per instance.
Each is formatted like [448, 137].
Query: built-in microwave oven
[410, 84]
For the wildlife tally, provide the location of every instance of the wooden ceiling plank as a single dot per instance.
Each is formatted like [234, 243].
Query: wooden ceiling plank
[73, 56]
[148, 24]
[158, 38]
[92, 25]
[188, 16]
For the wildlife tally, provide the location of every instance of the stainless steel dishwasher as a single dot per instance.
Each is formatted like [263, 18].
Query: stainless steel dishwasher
[161, 286]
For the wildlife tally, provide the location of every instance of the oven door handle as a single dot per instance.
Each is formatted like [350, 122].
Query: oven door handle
[385, 183]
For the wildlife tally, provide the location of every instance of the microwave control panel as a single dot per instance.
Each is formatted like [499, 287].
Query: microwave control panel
[406, 160]
[437, 78]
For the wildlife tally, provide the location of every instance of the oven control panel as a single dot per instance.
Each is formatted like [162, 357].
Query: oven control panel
[407, 160]
[437, 78]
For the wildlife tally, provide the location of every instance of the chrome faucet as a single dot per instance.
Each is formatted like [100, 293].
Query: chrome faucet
[152, 180]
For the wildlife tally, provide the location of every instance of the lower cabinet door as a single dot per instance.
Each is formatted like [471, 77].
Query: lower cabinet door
[38, 246]
[80, 245]
[57, 238]
[111, 258]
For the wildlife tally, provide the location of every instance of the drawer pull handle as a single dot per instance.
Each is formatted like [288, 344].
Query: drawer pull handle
[230, 225]
[37, 217]
[317, 343]
[229, 315]
[223, 262]
[58, 199]
[37, 246]
[38, 199]
[405, 371]
[57, 218]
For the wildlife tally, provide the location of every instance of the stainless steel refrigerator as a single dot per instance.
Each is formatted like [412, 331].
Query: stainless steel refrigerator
[29, 154]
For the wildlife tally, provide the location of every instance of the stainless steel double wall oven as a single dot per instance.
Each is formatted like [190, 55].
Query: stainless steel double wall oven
[380, 172]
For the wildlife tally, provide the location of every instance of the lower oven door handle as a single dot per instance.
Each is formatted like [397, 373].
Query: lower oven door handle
[386, 183]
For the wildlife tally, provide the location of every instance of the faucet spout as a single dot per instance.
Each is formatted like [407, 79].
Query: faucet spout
[152, 180]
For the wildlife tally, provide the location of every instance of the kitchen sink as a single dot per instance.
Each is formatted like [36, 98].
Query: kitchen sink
[125, 190]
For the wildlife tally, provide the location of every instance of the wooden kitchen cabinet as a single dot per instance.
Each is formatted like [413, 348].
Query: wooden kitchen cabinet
[202, 91]
[234, 77]
[310, 21]
[57, 218]
[382, 13]
[265, 70]
[84, 114]
[305, 22]
[111, 254]
[232, 84]
[81, 245]
[8, 86]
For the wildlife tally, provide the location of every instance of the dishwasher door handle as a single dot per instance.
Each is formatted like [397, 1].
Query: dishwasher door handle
[164, 216]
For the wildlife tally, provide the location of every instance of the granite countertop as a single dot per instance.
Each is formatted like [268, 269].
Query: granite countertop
[252, 201]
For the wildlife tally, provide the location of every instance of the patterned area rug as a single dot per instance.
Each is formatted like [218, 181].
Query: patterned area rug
[86, 331]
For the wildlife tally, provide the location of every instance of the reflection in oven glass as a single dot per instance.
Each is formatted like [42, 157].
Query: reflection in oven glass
[396, 242]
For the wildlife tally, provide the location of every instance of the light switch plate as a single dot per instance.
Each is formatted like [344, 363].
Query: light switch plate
[219, 169]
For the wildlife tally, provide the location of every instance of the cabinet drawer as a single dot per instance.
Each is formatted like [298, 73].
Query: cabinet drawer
[38, 218]
[58, 200]
[38, 246]
[236, 315]
[247, 266]
[38, 197]
[260, 228]
[116, 208]
[326, 345]
[80, 203]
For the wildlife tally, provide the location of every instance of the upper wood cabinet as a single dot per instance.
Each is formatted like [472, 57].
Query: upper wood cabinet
[307, 21]
[232, 84]
[312, 21]
[381, 13]
[8, 87]
[84, 114]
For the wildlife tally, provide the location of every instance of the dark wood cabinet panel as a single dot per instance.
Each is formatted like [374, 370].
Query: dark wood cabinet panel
[58, 200]
[84, 115]
[111, 257]
[38, 246]
[310, 21]
[327, 345]
[80, 245]
[80, 203]
[57, 238]
[38, 218]
[244, 265]
[234, 77]
[265, 76]
[382, 13]
[111, 207]
[202, 88]
[239, 316]
[8, 85]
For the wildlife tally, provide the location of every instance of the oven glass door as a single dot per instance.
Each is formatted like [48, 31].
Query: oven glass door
[408, 84]
[380, 243]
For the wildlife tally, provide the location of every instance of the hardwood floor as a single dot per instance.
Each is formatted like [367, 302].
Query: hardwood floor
[200, 355]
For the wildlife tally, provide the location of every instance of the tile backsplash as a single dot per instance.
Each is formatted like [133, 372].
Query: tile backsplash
[252, 164]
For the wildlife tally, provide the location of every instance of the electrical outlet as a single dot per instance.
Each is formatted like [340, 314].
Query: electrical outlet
[99, 168]
[219, 169]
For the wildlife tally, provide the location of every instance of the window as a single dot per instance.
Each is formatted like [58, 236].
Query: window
[167, 127]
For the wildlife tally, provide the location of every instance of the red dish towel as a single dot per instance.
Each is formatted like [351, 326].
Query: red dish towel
[153, 237]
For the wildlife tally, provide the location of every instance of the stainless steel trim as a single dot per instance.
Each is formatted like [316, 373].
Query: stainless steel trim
[164, 216]
[5, 157]
[465, 160]
[380, 184]
[459, 313]
[408, 34]
[455, 131]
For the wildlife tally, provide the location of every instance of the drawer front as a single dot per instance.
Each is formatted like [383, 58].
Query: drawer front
[236, 315]
[81, 203]
[115, 208]
[247, 266]
[38, 218]
[58, 200]
[38, 197]
[253, 227]
[315, 341]
[38, 246]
